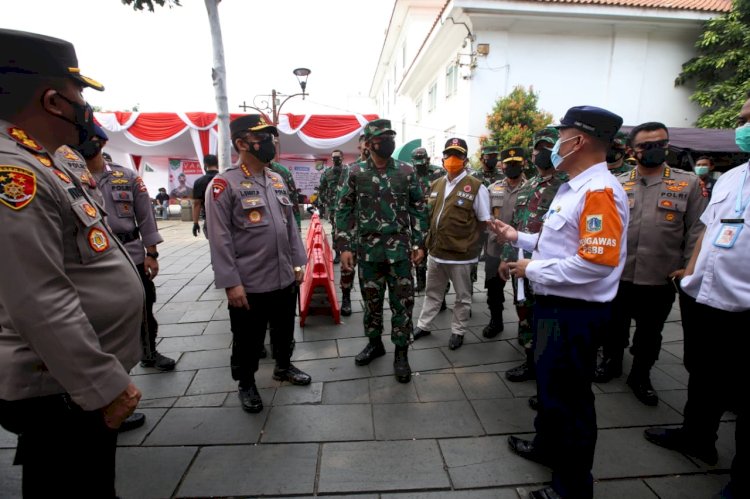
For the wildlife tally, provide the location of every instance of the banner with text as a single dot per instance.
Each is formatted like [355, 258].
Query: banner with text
[182, 175]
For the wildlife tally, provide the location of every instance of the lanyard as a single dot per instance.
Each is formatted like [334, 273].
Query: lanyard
[740, 205]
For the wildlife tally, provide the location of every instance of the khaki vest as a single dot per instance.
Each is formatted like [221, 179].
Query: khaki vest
[457, 236]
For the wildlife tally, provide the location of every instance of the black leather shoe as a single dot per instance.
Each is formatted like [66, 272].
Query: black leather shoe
[607, 370]
[292, 375]
[534, 403]
[675, 439]
[526, 449]
[418, 333]
[373, 350]
[643, 390]
[548, 493]
[158, 361]
[401, 368]
[250, 399]
[135, 420]
[263, 352]
[493, 329]
[346, 305]
[521, 373]
[456, 341]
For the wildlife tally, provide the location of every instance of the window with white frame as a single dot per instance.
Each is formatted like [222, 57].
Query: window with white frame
[451, 79]
[432, 97]
[449, 132]
[431, 147]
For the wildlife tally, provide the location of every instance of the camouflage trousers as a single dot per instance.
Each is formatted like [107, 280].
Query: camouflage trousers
[373, 279]
[524, 310]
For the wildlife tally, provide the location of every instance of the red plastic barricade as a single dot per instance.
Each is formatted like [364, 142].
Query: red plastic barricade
[318, 274]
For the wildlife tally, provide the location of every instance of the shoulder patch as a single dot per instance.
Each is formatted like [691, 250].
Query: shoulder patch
[22, 138]
[218, 187]
[140, 184]
[17, 186]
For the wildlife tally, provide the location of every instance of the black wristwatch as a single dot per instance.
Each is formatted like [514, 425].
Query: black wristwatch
[153, 255]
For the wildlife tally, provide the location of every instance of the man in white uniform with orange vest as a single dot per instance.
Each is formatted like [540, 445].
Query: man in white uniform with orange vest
[575, 268]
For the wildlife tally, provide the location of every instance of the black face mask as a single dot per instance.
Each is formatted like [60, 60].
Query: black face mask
[385, 148]
[490, 164]
[652, 158]
[89, 149]
[83, 120]
[614, 155]
[337, 161]
[421, 167]
[266, 150]
[543, 159]
[513, 170]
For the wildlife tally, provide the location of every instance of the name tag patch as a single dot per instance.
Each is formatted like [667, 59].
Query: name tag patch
[464, 195]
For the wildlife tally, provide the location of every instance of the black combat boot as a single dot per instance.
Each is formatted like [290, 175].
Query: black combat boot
[495, 326]
[291, 374]
[346, 302]
[421, 279]
[609, 368]
[373, 350]
[525, 371]
[401, 368]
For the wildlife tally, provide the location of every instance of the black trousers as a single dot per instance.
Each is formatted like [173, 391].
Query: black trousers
[150, 328]
[649, 306]
[249, 331]
[716, 349]
[64, 450]
[567, 336]
[494, 284]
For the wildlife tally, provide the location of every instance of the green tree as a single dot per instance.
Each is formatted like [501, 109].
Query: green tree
[515, 118]
[721, 69]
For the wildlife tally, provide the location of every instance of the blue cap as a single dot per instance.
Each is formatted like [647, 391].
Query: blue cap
[594, 121]
[99, 132]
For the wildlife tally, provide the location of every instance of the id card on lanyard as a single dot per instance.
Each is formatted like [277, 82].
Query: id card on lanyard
[731, 227]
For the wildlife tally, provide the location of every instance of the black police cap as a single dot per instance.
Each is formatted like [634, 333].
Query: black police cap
[24, 53]
[592, 120]
[251, 123]
[456, 144]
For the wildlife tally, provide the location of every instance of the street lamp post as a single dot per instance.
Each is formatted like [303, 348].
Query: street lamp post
[274, 108]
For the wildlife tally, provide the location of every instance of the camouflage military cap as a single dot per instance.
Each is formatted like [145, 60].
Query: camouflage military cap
[511, 154]
[620, 140]
[549, 135]
[489, 148]
[419, 156]
[376, 128]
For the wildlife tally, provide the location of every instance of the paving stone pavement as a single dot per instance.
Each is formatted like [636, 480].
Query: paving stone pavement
[356, 431]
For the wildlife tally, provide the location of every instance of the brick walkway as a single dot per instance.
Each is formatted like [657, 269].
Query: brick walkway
[356, 431]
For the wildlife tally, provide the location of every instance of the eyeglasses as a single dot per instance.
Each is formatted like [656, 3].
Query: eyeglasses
[645, 146]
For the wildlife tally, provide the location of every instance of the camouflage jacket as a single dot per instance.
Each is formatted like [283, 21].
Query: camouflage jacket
[433, 173]
[488, 178]
[293, 193]
[380, 215]
[532, 203]
[329, 182]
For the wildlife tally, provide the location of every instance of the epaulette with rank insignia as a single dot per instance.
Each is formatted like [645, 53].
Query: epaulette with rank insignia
[23, 139]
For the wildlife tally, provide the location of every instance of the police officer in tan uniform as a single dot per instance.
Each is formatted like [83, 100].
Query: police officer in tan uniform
[131, 217]
[257, 256]
[66, 345]
[665, 209]
[503, 195]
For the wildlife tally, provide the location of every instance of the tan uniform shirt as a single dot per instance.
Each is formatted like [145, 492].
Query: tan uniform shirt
[664, 226]
[252, 231]
[502, 201]
[71, 301]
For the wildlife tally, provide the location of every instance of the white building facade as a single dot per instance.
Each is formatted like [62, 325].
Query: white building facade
[444, 64]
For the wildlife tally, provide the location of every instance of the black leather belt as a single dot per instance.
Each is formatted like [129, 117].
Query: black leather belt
[126, 237]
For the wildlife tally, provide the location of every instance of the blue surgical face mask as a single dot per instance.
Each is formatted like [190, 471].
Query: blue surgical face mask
[701, 170]
[555, 153]
[742, 137]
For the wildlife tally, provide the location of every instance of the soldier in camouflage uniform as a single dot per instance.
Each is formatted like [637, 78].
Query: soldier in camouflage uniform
[490, 173]
[347, 275]
[381, 215]
[426, 173]
[617, 154]
[532, 203]
[329, 182]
